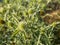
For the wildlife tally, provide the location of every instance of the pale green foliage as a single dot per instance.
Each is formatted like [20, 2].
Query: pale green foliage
[23, 24]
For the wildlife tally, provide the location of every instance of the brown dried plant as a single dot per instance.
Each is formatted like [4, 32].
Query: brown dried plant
[52, 17]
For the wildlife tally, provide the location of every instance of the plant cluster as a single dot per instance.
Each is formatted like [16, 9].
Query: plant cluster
[21, 23]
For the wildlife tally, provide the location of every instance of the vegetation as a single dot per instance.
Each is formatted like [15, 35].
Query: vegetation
[29, 22]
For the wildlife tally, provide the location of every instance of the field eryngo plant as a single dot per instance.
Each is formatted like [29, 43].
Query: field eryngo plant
[21, 23]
